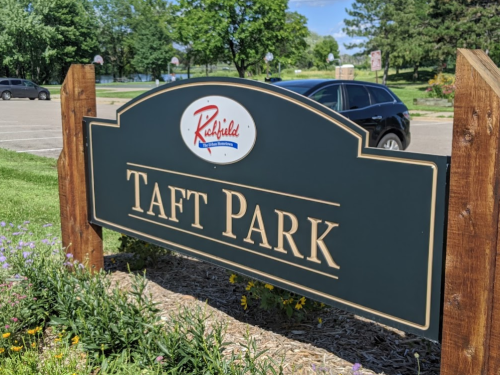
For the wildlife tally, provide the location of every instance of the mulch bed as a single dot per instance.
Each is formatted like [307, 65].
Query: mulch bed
[334, 346]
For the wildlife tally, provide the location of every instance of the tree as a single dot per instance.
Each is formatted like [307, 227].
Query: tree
[374, 21]
[241, 31]
[322, 49]
[152, 37]
[75, 40]
[463, 24]
[115, 35]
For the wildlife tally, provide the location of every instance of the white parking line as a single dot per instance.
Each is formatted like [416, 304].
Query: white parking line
[31, 131]
[27, 139]
[17, 126]
[46, 149]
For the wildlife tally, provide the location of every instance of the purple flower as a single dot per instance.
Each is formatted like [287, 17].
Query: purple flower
[16, 234]
[26, 254]
[14, 320]
[32, 245]
[12, 225]
[3, 259]
[7, 326]
[69, 255]
[5, 265]
[47, 225]
[69, 264]
[45, 241]
[2, 224]
[29, 261]
[314, 367]
[26, 222]
[356, 367]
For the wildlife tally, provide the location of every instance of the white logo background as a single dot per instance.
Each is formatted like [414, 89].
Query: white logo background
[218, 129]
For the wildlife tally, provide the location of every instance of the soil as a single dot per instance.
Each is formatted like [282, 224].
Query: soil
[331, 347]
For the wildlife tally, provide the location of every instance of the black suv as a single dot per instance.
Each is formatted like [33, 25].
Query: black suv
[22, 88]
[373, 107]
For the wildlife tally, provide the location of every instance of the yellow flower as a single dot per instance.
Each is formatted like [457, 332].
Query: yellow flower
[244, 302]
[320, 320]
[57, 340]
[16, 348]
[38, 329]
[58, 356]
[31, 331]
[5, 335]
[298, 306]
[303, 300]
[250, 285]
[232, 278]
[75, 340]
[322, 304]
[33, 345]
[2, 350]
[269, 286]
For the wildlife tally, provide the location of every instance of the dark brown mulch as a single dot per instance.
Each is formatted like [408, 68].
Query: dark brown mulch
[340, 341]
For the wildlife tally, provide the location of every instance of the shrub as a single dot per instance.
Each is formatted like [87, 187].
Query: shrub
[144, 253]
[115, 327]
[268, 297]
[442, 86]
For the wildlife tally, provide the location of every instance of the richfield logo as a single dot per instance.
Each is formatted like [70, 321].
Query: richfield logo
[218, 129]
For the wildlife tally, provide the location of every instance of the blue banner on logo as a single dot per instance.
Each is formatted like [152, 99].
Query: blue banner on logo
[218, 144]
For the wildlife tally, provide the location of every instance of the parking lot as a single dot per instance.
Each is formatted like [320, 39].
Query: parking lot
[35, 127]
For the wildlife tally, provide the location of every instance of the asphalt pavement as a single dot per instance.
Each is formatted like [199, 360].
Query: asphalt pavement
[35, 127]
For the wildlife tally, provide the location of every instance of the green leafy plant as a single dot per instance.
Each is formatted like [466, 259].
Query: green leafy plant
[442, 86]
[143, 252]
[268, 297]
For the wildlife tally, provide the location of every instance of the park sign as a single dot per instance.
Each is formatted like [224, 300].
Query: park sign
[273, 185]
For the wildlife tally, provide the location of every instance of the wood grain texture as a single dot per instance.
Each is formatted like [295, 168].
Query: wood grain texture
[470, 340]
[80, 238]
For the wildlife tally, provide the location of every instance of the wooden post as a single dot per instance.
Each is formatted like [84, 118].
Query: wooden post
[471, 322]
[80, 238]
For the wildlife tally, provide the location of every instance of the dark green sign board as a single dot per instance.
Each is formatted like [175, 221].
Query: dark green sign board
[271, 184]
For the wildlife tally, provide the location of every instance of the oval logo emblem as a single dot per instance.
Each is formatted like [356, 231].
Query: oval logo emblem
[218, 129]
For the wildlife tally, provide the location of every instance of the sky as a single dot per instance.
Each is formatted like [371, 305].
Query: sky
[326, 17]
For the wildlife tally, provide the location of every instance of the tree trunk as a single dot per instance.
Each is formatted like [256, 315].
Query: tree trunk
[397, 69]
[206, 69]
[241, 71]
[189, 70]
[415, 71]
[386, 68]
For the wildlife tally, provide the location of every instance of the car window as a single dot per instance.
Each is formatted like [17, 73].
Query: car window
[329, 96]
[380, 95]
[16, 82]
[358, 96]
[4, 83]
[29, 84]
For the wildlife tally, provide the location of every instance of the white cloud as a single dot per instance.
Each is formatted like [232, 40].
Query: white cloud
[339, 35]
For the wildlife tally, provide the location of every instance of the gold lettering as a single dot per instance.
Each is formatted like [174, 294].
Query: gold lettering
[174, 204]
[261, 229]
[288, 234]
[137, 177]
[156, 201]
[229, 211]
[315, 242]
[197, 196]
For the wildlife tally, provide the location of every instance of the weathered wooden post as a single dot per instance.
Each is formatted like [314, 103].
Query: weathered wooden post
[80, 238]
[471, 323]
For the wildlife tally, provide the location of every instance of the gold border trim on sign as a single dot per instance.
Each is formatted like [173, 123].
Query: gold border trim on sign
[360, 154]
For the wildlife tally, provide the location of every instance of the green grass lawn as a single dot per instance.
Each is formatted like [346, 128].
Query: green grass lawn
[119, 94]
[29, 191]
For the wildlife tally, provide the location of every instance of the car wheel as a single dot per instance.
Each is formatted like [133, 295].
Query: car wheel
[32, 98]
[390, 142]
[42, 96]
[6, 95]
